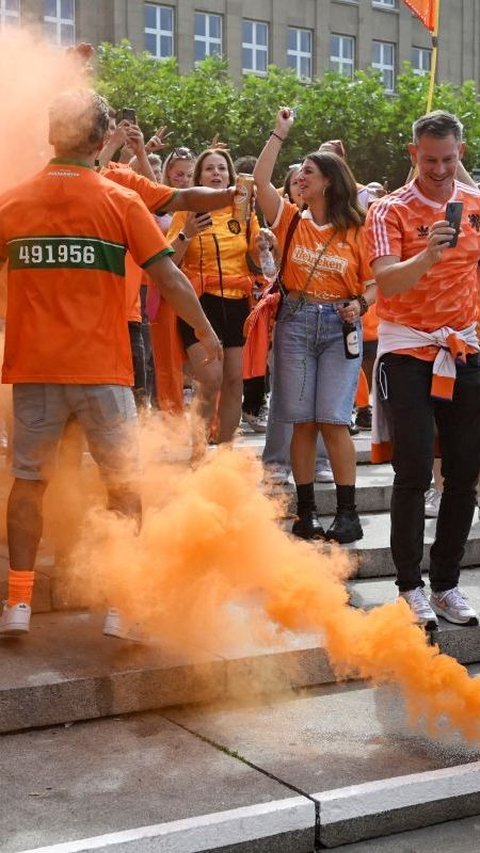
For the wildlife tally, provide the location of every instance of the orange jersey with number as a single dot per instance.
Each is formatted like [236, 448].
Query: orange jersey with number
[320, 262]
[65, 233]
[446, 295]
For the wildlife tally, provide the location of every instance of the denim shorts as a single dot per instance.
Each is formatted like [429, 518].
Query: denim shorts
[312, 380]
[107, 414]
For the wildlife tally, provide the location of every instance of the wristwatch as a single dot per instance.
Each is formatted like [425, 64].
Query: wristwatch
[182, 236]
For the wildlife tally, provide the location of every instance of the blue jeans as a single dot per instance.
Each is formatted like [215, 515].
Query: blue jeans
[313, 380]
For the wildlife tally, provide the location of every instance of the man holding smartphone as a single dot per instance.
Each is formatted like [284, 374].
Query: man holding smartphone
[424, 249]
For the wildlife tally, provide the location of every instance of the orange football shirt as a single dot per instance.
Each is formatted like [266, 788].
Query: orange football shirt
[65, 233]
[155, 196]
[446, 295]
[342, 270]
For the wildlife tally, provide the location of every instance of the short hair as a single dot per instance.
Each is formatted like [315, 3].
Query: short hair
[438, 123]
[226, 156]
[155, 160]
[78, 121]
[245, 165]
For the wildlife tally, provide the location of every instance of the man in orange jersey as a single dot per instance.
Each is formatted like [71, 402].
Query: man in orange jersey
[429, 362]
[65, 233]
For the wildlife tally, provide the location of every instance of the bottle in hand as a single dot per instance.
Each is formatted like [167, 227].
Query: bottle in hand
[350, 340]
[268, 265]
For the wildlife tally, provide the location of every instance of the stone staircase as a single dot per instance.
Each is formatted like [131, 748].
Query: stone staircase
[66, 672]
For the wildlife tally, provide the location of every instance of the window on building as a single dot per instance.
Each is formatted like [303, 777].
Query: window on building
[9, 12]
[159, 33]
[59, 22]
[208, 35]
[299, 52]
[255, 47]
[342, 54]
[388, 4]
[421, 60]
[383, 59]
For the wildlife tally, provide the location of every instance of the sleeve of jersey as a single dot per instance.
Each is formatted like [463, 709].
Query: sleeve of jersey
[144, 238]
[178, 221]
[285, 214]
[384, 234]
[365, 273]
[155, 196]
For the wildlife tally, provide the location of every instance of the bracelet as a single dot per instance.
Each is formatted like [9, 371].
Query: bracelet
[280, 138]
[364, 306]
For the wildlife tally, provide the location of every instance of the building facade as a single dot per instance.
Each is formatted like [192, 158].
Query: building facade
[310, 36]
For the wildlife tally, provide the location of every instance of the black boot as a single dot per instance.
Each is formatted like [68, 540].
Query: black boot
[307, 526]
[345, 527]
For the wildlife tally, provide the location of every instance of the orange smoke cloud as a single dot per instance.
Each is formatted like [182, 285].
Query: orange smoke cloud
[32, 73]
[212, 570]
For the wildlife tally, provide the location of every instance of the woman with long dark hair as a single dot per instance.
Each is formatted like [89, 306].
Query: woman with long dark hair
[326, 276]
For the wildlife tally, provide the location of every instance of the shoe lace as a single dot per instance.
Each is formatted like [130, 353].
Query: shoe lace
[418, 597]
[455, 596]
[432, 495]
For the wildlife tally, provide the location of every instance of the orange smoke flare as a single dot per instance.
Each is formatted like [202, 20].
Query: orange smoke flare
[212, 569]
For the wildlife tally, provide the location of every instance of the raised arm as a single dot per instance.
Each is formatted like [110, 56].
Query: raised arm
[268, 198]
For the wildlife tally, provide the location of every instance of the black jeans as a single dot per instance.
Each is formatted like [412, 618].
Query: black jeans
[413, 413]
[253, 395]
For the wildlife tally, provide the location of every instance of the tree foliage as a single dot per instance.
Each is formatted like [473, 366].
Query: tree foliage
[374, 126]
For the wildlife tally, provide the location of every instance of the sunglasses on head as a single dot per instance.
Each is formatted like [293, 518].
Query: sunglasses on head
[183, 153]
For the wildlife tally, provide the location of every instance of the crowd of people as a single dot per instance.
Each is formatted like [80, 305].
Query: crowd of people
[134, 284]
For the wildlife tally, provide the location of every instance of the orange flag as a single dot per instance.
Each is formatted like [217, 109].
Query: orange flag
[425, 10]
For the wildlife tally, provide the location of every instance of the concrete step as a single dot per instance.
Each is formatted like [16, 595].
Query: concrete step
[373, 551]
[301, 773]
[373, 492]
[65, 670]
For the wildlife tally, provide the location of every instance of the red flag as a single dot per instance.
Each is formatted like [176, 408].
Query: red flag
[425, 10]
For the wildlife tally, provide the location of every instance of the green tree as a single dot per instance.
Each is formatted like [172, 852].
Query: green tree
[375, 127]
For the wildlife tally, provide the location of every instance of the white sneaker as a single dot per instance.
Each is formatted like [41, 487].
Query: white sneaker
[117, 626]
[256, 422]
[418, 603]
[15, 620]
[324, 473]
[432, 503]
[452, 605]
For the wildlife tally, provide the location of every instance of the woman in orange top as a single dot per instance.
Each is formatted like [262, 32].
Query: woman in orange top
[326, 274]
[212, 250]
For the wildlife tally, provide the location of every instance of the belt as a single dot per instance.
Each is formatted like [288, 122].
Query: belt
[315, 300]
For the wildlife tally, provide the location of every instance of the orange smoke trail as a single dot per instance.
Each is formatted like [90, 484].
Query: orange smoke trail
[32, 74]
[212, 569]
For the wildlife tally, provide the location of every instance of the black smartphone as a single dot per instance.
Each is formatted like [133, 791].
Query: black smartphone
[129, 114]
[453, 214]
